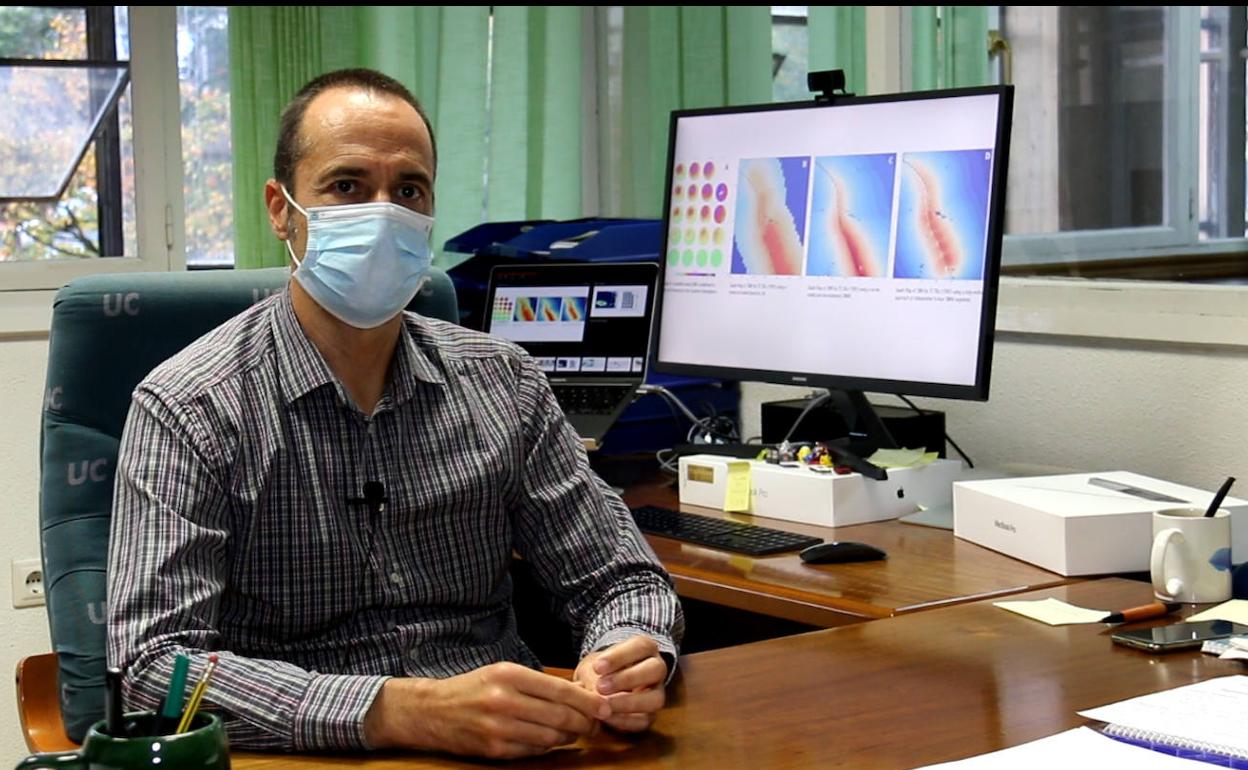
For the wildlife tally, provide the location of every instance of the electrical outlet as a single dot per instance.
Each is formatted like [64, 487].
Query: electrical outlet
[27, 583]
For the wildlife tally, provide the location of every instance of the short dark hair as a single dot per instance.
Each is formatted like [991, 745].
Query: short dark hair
[290, 145]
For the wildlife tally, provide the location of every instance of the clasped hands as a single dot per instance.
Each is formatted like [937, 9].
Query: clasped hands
[505, 710]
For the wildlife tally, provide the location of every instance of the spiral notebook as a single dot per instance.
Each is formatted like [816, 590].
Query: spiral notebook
[1203, 721]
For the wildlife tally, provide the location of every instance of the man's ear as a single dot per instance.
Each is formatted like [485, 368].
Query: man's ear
[279, 209]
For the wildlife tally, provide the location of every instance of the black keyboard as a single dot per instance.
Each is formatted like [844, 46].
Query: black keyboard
[590, 399]
[718, 533]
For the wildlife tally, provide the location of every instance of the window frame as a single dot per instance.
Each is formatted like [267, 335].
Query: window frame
[26, 288]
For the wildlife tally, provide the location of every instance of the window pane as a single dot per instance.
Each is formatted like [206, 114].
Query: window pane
[789, 53]
[125, 113]
[121, 18]
[69, 227]
[42, 32]
[51, 115]
[1220, 202]
[204, 81]
[1089, 139]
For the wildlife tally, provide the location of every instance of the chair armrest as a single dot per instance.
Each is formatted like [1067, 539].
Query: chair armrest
[38, 705]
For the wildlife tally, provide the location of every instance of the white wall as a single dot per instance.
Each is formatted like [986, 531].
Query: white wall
[23, 365]
[1178, 412]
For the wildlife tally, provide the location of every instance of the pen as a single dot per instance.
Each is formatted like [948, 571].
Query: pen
[112, 705]
[170, 712]
[1220, 496]
[1143, 612]
[197, 694]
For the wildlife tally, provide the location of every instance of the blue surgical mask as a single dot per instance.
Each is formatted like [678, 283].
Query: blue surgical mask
[364, 261]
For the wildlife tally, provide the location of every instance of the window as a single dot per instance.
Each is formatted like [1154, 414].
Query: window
[1127, 155]
[110, 217]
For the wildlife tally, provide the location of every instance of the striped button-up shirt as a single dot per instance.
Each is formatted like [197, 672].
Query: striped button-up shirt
[239, 527]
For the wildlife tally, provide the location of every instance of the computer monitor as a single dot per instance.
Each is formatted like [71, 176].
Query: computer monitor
[852, 244]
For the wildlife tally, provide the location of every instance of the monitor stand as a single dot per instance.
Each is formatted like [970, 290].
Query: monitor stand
[939, 516]
[867, 432]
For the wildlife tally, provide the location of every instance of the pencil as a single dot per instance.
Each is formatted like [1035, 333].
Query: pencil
[197, 695]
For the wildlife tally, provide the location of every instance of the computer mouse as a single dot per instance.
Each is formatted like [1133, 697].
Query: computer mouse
[840, 553]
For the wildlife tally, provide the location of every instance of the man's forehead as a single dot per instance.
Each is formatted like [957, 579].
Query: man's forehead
[341, 103]
[353, 115]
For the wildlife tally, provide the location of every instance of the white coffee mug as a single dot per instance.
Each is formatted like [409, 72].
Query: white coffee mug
[1191, 558]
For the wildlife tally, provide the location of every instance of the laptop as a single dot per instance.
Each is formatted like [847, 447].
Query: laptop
[587, 324]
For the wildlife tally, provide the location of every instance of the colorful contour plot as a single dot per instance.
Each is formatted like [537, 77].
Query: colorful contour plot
[851, 215]
[942, 219]
[770, 216]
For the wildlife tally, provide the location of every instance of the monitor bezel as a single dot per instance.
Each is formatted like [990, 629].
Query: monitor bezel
[978, 391]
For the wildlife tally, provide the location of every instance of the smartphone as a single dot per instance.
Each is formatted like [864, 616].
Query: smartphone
[1178, 636]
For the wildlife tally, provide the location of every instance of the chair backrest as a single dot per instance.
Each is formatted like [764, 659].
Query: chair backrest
[108, 332]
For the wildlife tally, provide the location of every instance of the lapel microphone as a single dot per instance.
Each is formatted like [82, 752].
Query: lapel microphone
[375, 498]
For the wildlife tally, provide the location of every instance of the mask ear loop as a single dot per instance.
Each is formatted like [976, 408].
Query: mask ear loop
[301, 210]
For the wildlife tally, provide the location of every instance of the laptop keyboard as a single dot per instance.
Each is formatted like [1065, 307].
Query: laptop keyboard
[590, 399]
[718, 533]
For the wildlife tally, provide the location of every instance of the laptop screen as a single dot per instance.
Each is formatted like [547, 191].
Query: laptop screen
[582, 321]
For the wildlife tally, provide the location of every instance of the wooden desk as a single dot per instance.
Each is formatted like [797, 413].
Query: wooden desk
[926, 568]
[898, 693]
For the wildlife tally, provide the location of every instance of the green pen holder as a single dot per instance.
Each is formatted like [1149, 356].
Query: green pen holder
[203, 747]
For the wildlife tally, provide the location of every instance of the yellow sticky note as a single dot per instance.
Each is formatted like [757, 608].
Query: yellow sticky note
[902, 458]
[895, 458]
[1055, 612]
[737, 496]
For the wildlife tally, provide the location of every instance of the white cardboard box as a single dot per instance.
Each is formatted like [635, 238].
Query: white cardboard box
[802, 495]
[1071, 527]
[704, 480]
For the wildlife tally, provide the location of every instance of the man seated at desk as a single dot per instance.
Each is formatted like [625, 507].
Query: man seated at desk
[327, 491]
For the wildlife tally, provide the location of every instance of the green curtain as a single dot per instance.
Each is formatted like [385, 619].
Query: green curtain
[677, 57]
[273, 51]
[535, 114]
[949, 46]
[838, 40]
[508, 130]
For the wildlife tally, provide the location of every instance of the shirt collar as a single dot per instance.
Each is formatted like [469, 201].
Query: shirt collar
[415, 359]
[303, 369]
[300, 364]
